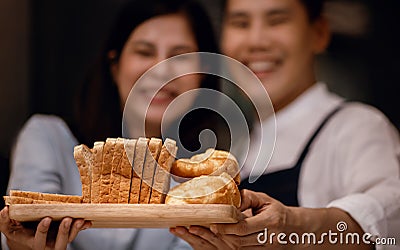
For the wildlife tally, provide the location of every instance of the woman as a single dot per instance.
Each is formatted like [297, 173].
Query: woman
[145, 33]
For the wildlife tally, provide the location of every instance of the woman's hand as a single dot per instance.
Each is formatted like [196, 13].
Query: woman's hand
[19, 237]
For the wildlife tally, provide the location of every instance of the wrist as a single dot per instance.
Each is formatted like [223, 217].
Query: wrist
[307, 220]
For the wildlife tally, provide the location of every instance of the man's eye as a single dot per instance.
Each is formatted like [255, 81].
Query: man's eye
[242, 24]
[277, 20]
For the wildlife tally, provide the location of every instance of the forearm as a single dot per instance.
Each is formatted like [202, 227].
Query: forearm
[333, 229]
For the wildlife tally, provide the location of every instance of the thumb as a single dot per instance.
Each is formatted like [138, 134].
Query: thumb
[253, 200]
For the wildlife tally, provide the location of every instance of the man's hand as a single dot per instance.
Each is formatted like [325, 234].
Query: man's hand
[259, 211]
[262, 212]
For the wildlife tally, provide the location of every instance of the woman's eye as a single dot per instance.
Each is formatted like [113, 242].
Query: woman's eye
[180, 56]
[145, 53]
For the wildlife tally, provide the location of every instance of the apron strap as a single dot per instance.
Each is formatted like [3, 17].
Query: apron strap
[283, 185]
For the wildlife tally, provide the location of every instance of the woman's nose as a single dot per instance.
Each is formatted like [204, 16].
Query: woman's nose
[162, 68]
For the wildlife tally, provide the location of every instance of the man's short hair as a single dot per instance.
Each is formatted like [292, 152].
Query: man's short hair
[314, 8]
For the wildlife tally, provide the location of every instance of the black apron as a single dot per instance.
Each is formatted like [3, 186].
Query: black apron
[283, 185]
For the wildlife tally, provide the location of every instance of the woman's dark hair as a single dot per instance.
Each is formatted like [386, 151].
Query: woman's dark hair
[99, 113]
[314, 8]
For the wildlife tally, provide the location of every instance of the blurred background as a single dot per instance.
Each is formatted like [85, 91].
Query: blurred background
[46, 46]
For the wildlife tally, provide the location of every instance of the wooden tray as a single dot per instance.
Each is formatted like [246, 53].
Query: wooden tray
[130, 216]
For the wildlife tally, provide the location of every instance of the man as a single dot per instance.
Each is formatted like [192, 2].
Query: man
[335, 167]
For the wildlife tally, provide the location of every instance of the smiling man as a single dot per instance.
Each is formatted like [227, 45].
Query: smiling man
[277, 41]
[335, 163]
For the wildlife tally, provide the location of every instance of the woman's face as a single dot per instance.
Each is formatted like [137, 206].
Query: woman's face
[153, 41]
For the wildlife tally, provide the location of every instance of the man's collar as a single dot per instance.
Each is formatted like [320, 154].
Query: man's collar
[297, 122]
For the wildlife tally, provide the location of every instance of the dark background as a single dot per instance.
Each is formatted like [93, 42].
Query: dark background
[46, 46]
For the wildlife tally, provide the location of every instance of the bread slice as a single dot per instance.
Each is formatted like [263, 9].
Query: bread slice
[115, 177]
[84, 160]
[138, 163]
[152, 153]
[206, 189]
[126, 171]
[62, 198]
[96, 171]
[161, 180]
[134, 189]
[106, 167]
[212, 162]
[10, 200]
[29, 197]
[27, 194]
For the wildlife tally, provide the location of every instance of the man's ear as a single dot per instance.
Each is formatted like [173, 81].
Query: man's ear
[112, 57]
[322, 35]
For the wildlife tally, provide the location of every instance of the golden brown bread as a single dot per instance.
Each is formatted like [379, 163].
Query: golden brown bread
[96, 171]
[126, 171]
[106, 168]
[115, 177]
[29, 197]
[84, 160]
[209, 189]
[138, 161]
[138, 171]
[212, 162]
[152, 154]
[161, 181]
[107, 174]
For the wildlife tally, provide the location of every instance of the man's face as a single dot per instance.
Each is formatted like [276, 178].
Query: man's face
[276, 40]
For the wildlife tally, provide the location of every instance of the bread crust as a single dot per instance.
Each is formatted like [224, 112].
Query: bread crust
[152, 154]
[106, 168]
[212, 162]
[116, 171]
[84, 160]
[138, 162]
[220, 189]
[96, 171]
[115, 177]
[161, 181]
[30, 197]
[126, 171]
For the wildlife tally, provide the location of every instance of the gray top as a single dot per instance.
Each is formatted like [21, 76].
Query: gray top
[43, 161]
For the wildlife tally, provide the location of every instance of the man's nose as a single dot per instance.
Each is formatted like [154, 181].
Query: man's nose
[257, 38]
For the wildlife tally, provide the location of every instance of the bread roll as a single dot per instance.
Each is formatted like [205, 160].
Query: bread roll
[212, 162]
[206, 190]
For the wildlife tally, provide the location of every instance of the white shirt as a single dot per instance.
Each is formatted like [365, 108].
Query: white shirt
[353, 163]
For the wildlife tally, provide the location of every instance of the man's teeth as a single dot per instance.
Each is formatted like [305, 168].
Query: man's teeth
[261, 66]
